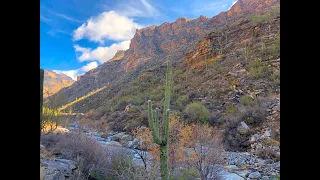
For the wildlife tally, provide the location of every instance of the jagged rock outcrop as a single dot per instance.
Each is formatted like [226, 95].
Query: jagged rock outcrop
[118, 56]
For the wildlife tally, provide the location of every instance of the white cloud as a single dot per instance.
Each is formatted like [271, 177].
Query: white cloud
[89, 66]
[44, 19]
[70, 73]
[76, 72]
[107, 25]
[151, 10]
[101, 54]
[141, 8]
[63, 16]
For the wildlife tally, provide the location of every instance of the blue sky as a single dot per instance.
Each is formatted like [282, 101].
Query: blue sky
[78, 35]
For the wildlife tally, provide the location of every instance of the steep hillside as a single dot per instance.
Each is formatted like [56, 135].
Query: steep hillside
[53, 82]
[150, 47]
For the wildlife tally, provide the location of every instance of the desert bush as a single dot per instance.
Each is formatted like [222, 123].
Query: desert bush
[192, 95]
[231, 109]
[182, 101]
[123, 168]
[89, 155]
[237, 140]
[258, 69]
[156, 96]
[97, 162]
[206, 149]
[123, 102]
[275, 177]
[270, 142]
[246, 100]
[253, 116]
[275, 78]
[273, 13]
[268, 153]
[50, 140]
[189, 174]
[196, 112]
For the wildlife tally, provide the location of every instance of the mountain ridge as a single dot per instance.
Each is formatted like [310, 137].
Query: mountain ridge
[150, 46]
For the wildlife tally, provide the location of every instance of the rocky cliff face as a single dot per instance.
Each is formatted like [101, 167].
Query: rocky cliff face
[177, 37]
[229, 39]
[152, 45]
[53, 82]
[119, 55]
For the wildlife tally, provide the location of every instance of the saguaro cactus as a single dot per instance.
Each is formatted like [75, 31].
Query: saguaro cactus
[41, 96]
[161, 138]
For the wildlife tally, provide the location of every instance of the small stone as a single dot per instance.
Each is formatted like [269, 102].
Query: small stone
[267, 133]
[254, 175]
[244, 125]
[265, 178]
[277, 165]
[42, 146]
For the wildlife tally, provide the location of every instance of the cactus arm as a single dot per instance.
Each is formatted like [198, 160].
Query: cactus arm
[152, 124]
[156, 122]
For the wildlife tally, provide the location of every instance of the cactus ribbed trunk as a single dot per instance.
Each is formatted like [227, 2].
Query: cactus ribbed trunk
[153, 118]
[41, 97]
[164, 161]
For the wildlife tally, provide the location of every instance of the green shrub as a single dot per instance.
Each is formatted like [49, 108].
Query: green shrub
[196, 112]
[182, 101]
[275, 47]
[258, 69]
[189, 174]
[275, 177]
[156, 96]
[275, 78]
[231, 109]
[123, 102]
[246, 100]
[273, 13]
[250, 120]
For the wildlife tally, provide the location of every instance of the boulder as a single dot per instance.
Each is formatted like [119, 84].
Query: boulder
[127, 137]
[57, 169]
[60, 130]
[117, 137]
[74, 125]
[107, 134]
[243, 128]
[277, 165]
[243, 173]
[112, 143]
[254, 175]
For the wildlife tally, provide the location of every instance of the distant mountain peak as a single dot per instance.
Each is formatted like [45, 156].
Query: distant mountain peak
[53, 82]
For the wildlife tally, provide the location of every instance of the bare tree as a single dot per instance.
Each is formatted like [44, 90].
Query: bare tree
[205, 153]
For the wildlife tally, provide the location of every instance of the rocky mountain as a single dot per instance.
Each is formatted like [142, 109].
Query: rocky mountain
[151, 46]
[53, 82]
